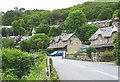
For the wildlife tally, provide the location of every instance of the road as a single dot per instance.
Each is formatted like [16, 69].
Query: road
[82, 70]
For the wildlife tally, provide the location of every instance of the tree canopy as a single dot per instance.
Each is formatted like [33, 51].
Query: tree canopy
[74, 20]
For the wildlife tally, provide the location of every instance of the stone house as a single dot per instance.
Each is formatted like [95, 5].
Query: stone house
[66, 42]
[103, 38]
[100, 24]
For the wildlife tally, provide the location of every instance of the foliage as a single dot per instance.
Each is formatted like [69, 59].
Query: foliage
[54, 31]
[16, 63]
[43, 28]
[24, 45]
[83, 51]
[39, 41]
[86, 31]
[105, 14]
[92, 10]
[9, 75]
[18, 27]
[90, 50]
[107, 56]
[38, 70]
[115, 14]
[53, 75]
[10, 16]
[23, 21]
[71, 53]
[116, 50]
[46, 51]
[8, 43]
[74, 20]
[55, 16]
[6, 32]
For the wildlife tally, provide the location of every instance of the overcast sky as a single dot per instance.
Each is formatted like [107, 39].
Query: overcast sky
[38, 4]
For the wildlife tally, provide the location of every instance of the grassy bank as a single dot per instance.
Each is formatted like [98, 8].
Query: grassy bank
[53, 75]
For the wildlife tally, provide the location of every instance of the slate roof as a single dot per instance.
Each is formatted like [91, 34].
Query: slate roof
[95, 22]
[105, 32]
[62, 38]
[102, 45]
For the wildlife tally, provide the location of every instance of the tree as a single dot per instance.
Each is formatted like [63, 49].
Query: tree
[116, 14]
[55, 16]
[43, 28]
[55, 31]
[18, 27]
[74, 20]
[105, 14]
[116, 50]
[10, 16]
[8, 43]
[90, 50]
[24, 45]
[39, 41]
[86, 31]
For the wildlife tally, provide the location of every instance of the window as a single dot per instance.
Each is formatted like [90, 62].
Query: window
[70, 41]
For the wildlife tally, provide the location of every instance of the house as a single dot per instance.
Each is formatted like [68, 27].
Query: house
[66, 42]
[103, 38]
[100, 24]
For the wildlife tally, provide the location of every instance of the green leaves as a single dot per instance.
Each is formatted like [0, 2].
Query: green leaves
[116, 50]
[8, 43]
[24, 45]
[90, 50]
[86, 31]
[74, 20]
[105, 14]
[43, 28]
[39, 41]
[19, 61]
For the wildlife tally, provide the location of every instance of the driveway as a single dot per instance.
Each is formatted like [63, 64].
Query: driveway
[82, 70]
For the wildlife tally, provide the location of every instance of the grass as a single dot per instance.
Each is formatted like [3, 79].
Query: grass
[53, 75]
[38, 71]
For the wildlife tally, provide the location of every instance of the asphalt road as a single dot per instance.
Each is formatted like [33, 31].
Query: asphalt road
[82, 70]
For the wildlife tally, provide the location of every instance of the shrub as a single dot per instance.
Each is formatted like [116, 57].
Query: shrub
[8, 43]
[90, 50]
[83, 51]
[69, 53]
[45, 51]
[24, 45]
[107, 56]
[38, 70]
[72, 53]
[17, 60]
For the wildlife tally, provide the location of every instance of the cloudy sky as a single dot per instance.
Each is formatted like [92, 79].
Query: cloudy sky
[38, 4]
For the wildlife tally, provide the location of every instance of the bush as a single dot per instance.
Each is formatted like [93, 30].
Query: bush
[8, 43]
[69, 53]
[53, 75]
[46, 51]
[24, 45]
[107, 56]
[38, 70]
[72, 53]
[18, 61]
[83, 51]
[90, 50]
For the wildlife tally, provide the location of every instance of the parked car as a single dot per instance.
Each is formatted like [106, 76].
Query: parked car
[56, 53]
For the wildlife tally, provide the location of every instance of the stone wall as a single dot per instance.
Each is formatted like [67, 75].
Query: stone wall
[73, 44]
